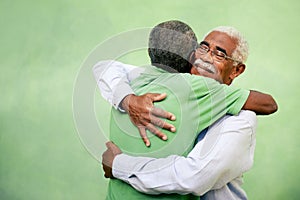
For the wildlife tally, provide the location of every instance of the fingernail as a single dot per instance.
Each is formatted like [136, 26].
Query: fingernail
[165, 137]
[173, 117]
[173, 129]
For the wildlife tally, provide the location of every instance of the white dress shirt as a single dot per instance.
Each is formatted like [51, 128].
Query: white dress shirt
[212, 169]
[113, 80]
[216, 162]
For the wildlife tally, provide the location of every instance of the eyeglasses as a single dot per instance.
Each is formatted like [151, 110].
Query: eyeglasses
[217, 55]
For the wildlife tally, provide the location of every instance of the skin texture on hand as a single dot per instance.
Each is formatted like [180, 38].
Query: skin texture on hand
[108, 157]
[145, 116]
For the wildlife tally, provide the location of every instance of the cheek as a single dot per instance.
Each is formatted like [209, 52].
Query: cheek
[198, 55]
[224, 70]
[220, 67]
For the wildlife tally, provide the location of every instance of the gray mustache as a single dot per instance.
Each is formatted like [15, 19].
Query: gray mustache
[205, 65]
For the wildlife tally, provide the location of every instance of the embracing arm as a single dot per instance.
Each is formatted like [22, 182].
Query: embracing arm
[113, 80]
[209, 167]
[260, 103]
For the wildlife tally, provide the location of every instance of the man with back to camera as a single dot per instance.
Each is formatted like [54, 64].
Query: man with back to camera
[228, 72]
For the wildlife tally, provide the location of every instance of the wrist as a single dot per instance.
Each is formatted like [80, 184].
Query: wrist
[123, 167]
[116, 165]
[125, 102]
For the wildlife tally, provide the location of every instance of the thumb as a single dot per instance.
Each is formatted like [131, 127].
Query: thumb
[114, 148]
[109, 144]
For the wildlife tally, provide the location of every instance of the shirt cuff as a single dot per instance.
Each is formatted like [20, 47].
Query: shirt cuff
[125, 166]
[121, 167]
[121, 92]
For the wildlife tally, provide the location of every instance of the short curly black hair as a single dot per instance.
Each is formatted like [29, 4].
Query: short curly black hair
[171, 44]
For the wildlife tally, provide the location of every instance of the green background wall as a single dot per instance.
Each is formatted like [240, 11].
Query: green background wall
[44, 43]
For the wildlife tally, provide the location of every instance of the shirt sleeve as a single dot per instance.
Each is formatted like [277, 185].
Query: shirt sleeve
[113, 80]
[235, 99]
[223, 155]
[220, 99]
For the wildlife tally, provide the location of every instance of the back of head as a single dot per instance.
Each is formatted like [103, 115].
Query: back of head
[242, 49]
[170, 45]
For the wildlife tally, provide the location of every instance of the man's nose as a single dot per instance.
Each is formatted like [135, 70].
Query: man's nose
[207, 57]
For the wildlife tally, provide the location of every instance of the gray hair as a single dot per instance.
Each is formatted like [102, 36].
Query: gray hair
[242, 49]
[171, 44]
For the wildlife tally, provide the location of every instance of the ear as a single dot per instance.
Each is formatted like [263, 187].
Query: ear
[237, 70]
[192, 57]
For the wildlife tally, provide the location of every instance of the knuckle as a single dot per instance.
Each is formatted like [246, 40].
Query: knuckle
[160, 123]
[156, 132]
[167, 126]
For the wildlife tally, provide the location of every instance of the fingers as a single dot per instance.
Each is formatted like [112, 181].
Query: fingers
[160, 123]
[143, 134]
[162, 113]
[106, 157]
[109, 144]
[114, 148]
[145, 116]
[107, 171]
[156, 132]
[157, 96]
[104, 169]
